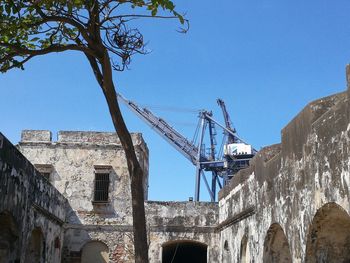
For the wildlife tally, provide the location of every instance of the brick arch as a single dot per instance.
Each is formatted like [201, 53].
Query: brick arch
[328, 239]
[95, 252]
[8, 238]
[276, 247]
[184, 251]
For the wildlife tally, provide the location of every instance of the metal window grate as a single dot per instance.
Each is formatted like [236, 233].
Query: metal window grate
[101, 187]
[46, 175]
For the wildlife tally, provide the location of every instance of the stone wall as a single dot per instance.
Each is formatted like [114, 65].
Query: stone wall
[72, 161]
[75, 158]
[287, 204]
[182, 221]
[32, 211]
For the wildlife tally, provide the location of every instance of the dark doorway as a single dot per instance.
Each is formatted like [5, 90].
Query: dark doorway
[184, 252]
[329, 236]
[35, 247]
[8, 238]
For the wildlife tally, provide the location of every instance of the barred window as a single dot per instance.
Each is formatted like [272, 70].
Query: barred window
[101, 187]
[46, 175]
[45, 170]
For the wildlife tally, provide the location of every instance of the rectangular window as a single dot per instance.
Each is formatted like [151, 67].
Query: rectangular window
[101, 187]
[45, 170]
[46, 175]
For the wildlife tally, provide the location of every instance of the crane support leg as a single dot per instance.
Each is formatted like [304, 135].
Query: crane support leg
[198, 167]
[219, 183]
[212, 197]
[213, 186]
[198, 184]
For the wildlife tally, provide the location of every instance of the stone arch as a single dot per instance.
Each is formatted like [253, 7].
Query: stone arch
[244, 253]
[226, 252]
[276, 247]
[328, 239]
[35, 252]
[184, 251]
[57, 249]
[95, 252]
[8, 238]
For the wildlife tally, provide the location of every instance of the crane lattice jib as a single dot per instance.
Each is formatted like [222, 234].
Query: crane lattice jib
[179, 142]
[228, 122]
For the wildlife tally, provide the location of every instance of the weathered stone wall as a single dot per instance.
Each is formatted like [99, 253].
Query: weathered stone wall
[278, 208]
[32, 211]
[182, 221]
[74, 158]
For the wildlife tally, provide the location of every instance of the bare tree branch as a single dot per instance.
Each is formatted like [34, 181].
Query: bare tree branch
[51, 49]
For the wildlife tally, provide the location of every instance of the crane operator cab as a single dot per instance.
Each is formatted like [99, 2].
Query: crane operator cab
[237, 157]
[236, 150]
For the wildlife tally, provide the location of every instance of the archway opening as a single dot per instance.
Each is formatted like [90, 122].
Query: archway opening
[184, 251]
[95, 252]
[8, 238]
[329, 236]
[276, 247]
[35, 247]
[244, 255]
[226, 253]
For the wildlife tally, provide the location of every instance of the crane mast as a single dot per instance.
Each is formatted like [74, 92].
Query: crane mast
[179, 142]
[220, 166]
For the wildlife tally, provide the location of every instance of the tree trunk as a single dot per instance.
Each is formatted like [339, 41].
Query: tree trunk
[135, 171]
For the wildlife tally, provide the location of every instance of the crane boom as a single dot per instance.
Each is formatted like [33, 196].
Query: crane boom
[179, 142]
[220, 166]
[228, 123]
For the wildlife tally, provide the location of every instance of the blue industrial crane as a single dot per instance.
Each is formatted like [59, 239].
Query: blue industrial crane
[228, 123]
[236, 154]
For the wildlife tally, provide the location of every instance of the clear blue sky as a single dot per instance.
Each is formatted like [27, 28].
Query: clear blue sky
[266, 59]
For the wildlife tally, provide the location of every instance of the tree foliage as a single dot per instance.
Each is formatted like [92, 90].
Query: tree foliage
[100, 29]
[37, 27]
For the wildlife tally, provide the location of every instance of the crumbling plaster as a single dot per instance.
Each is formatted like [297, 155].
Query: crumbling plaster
[29, 202]
[73, 158]
[289, 182]
[180, 221]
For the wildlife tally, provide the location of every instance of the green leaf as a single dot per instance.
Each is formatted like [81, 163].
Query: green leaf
[8, 9]
[154, 11]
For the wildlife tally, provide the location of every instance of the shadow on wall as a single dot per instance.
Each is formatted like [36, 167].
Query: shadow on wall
[184, 251]
[95, 252]
[276, 247]
[329, 236]
[84, 248]
[9, 237]
[35, 251]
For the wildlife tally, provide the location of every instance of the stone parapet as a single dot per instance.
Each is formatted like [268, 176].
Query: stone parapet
[79, 137]
[88, 137]
[36, 136]
[201, 214]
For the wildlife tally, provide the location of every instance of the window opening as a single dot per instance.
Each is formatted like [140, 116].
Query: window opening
[45, 170]
[101, 187]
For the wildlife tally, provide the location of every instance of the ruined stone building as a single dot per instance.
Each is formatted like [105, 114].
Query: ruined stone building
[78, 203]
[68, 200]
